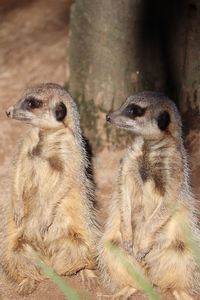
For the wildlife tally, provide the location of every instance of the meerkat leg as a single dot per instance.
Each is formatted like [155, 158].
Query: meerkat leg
[20, 267]
[129, 191]
[126, 219]
[115, 271]
[64, 265]
[149, 230]
[181, 295]
[25, 274]
[75, 248]
[113, 266]
[17, 198]
[71, 257]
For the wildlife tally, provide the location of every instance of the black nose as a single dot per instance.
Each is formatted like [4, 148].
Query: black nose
[8, 113]
[108, 118]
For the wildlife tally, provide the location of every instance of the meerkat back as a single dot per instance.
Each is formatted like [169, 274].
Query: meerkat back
[152, 202]
[52, 213]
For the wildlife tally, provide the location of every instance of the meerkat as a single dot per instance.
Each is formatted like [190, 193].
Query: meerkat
[52, 212]
[152, 203]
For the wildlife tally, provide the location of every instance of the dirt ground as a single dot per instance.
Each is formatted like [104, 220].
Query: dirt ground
[33, 37]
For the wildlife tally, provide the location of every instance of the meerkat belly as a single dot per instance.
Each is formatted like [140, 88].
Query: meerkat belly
[42, 194]
[144, 211]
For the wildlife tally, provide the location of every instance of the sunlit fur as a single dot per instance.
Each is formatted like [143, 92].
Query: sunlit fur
[52, 211]
[151, 203]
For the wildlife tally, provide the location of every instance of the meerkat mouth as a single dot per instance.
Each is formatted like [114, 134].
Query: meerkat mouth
[121, 125]
[21, 117]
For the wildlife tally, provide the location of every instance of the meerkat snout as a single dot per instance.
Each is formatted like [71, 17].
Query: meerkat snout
[108, 117]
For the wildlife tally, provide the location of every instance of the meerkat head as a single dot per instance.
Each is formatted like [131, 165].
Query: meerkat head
[47, 106]
[149, 114]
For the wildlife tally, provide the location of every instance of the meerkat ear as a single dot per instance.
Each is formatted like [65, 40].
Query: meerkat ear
[60, 111]
[163, 120]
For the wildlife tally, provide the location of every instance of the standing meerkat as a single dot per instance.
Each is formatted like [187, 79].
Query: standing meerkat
[52, 212]
[151, 202]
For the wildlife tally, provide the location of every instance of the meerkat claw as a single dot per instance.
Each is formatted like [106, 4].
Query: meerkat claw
[88, 277]
[26, 287]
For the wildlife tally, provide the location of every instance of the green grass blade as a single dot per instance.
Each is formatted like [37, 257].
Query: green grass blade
[59, 282]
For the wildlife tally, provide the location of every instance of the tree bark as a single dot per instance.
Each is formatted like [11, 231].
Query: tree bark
[190, 87]
[102, 65]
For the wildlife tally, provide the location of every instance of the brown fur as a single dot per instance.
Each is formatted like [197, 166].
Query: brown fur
[52, 214]
[151, 200]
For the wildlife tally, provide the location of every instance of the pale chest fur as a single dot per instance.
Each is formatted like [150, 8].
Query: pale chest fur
[45, 163]
[146, 171]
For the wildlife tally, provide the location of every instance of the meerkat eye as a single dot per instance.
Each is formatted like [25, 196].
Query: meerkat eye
[31, 103]
[134, 110]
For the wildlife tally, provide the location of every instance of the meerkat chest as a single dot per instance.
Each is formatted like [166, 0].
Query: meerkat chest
[43, 170]
[143, 180]
[46, 158]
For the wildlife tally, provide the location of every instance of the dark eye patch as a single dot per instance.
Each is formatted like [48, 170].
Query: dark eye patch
[31, 103]
[133, 110]
[163, 120]
[60, 111]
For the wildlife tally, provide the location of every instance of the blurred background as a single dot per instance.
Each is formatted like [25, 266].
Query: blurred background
[101, 51]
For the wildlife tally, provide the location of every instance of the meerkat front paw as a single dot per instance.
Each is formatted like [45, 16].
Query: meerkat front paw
[128, 246]
[26, 287]
[18, 217]
[18, 210]
[140, 255]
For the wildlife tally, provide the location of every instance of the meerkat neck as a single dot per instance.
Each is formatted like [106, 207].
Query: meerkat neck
[154, 143]
[52, 139]
[63, 140]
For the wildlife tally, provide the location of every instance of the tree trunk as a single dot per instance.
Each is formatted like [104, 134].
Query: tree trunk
[102, 51]
[117, 48]
[190, 87]
[102, 60]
